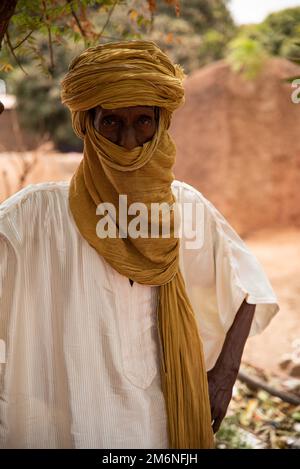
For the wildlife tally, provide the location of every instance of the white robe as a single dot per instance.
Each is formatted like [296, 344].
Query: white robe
[82, 354]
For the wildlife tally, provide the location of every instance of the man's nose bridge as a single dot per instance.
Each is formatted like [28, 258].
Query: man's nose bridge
[128, 136]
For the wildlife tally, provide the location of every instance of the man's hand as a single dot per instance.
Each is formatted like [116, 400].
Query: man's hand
[222, 376]
[220, 384]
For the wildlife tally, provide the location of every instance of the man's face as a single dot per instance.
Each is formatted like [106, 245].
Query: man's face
[128, 127]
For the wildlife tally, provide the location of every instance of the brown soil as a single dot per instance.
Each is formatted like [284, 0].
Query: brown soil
[279, 253]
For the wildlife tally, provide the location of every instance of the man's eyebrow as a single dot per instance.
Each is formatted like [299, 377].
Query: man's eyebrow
[144, 110]
[148, 108]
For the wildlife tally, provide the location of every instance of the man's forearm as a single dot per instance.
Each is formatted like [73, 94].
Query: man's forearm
[222, 376]
[232, 350]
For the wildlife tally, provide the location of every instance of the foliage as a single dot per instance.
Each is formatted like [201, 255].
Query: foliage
[198, 36]
[202, 14]
[43, 36]
[39, 106]
[61, 20]
[40, 109]
[256, 419]
[213, 46]
[230, 437]
[280, 31]
[246, 56]
[56, 30]
[178, 38]
[277, 35]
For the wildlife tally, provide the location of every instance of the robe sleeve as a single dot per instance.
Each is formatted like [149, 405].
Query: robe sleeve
[220, 273]
[3, 311]
[7, 295]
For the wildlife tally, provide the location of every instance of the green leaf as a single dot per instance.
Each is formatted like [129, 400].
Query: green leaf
[296, 416]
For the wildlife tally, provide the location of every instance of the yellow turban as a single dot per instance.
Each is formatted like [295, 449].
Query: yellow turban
[102, 75]
[121, 75]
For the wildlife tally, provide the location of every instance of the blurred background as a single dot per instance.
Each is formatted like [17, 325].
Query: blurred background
[237, 141]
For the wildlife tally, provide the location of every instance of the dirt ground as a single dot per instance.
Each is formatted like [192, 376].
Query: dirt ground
[279, 253]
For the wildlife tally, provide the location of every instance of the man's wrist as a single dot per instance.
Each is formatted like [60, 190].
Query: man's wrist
[224, 373]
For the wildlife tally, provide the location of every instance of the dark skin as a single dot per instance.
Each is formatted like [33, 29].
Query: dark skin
[222, 376]
[132, 127]
[127, 127]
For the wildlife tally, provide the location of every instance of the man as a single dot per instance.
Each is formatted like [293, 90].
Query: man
[116, 338]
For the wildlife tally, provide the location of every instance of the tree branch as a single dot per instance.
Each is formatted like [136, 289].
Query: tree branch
[23, 40]
[10, 47]
[254, 383]
[70, 2]
[51, 68]
[108, 17]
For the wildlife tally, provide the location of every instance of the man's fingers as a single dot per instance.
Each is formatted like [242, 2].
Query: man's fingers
[213, 413]
[217, 416]
[216, 424]
[214, 419]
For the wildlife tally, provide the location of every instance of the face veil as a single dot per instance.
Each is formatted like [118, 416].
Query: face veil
[118, 75]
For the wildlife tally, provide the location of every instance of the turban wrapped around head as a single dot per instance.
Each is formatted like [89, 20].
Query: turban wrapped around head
[122, 74]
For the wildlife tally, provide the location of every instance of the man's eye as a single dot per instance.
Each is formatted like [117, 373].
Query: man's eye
[145, 120]
[109, 121]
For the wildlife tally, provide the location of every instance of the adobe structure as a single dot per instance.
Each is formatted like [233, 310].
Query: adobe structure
[238, 142]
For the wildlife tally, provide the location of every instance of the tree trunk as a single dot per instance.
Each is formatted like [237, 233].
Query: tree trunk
[7, 8]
